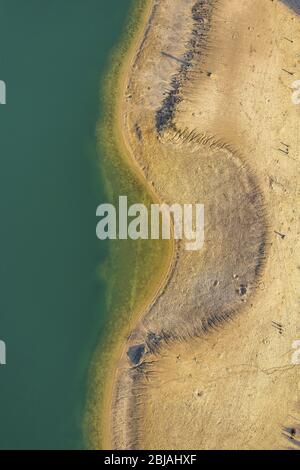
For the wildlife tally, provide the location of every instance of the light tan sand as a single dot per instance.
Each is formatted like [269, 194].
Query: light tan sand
[217, 372]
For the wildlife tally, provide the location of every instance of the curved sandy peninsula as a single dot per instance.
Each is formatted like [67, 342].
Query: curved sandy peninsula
[208, 117]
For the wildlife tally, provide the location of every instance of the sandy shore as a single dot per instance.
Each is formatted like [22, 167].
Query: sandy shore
[112, 142]
[208, 117]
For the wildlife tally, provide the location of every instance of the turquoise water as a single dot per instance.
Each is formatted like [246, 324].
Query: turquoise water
[52, 307]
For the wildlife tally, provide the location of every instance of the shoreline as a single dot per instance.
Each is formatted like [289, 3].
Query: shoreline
[121, 75]
[214, 298]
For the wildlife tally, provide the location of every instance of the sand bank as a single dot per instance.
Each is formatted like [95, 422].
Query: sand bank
[208, 117]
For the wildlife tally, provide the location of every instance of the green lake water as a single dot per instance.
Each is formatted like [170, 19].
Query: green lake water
[54, 274]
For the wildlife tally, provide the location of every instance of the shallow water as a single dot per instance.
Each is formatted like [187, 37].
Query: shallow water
[53, 302]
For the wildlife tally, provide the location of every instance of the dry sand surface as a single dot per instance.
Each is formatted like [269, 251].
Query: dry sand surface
[209, 118]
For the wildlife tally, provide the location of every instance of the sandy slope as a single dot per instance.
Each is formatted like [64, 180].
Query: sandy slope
[217, 372]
